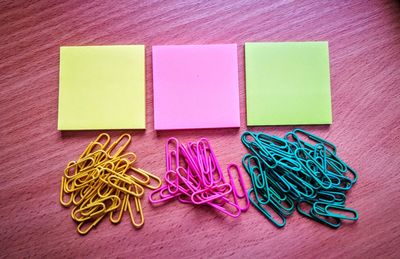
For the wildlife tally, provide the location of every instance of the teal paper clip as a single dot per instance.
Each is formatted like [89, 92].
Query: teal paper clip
[297, 170]
[266, 213]
[339, 209]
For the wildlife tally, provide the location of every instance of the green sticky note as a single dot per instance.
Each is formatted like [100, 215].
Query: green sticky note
[102, 87]
[288, 83]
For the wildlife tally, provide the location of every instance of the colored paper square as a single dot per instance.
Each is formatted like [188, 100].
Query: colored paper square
[288, 83]
[195, 86]
[102, 87]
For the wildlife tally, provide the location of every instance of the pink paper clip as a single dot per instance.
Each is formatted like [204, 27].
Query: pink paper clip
[172, 155]
[190, 157]
[172, 180]
[207, 195]
[222, 208]
[204, 162]
[236, 195]
[194, 176]
[214, 162]
[162, 198]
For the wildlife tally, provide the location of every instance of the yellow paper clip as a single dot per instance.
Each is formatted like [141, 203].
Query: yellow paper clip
[90, 225]
[104, 181]
[118, 142]
[139, 211]
[63, 193]
[150, 176]
[119, 210]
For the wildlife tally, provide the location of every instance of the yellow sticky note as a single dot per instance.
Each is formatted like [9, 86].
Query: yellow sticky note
[102, 87]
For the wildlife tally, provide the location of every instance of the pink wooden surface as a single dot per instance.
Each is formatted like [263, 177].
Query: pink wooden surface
[364, 38]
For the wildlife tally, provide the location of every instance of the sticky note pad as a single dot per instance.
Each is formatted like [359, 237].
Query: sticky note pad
[195, 86]
[287, 83]
[102, 87]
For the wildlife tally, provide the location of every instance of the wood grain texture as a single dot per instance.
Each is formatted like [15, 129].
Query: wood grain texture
[364, 39]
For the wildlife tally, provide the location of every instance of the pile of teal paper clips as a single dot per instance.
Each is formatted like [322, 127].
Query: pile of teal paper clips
[299, 171]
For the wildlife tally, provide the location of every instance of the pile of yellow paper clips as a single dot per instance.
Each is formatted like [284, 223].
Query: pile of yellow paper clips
[104, 181]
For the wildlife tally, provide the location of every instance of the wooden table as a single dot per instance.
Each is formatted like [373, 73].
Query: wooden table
[364, 39]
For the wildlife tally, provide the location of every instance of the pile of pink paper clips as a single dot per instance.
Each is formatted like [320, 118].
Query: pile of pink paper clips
[193, 175]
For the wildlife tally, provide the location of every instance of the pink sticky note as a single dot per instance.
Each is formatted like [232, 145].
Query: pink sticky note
[195, 86]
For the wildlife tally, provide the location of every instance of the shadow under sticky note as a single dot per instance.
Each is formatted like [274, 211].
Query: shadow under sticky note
[195, 86]
[102, 87]
[287, 83]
